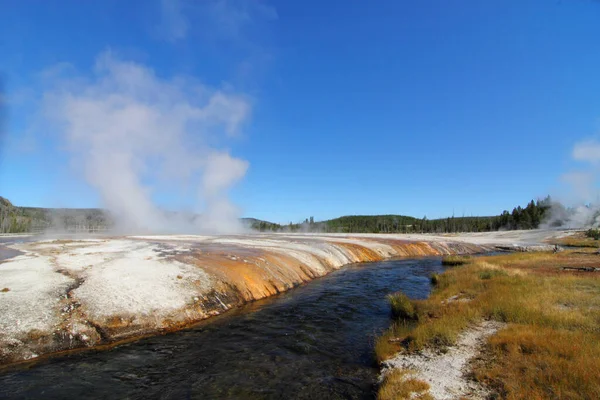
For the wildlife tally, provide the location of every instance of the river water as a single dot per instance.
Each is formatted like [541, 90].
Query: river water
[312, 342]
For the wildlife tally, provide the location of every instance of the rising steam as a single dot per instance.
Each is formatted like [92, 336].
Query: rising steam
[581, 195]
[133, 134]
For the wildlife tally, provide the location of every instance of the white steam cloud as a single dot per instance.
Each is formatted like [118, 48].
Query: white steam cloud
[133, 133]
[583, 183]
[587, 151]
[582, 194]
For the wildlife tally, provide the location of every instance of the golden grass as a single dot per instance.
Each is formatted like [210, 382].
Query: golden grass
[551, 348]
[577, 240]
[399, 385]
[532, 362]
[391, 342]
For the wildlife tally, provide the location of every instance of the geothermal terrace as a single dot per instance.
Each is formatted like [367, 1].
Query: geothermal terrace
[65, 294]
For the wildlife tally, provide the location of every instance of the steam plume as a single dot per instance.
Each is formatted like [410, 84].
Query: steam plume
[582, 194]
[134, 134]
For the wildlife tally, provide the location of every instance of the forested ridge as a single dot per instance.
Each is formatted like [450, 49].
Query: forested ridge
[15, 219]
[528, 217]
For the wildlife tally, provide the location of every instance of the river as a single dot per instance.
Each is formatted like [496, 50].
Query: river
[312, 342]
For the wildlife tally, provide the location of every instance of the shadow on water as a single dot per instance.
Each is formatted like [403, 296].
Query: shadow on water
[313, 342]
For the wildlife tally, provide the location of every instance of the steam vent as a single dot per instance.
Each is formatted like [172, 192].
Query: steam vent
[60, 295]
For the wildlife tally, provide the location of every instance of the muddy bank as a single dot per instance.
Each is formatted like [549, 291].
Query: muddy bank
[70, 294]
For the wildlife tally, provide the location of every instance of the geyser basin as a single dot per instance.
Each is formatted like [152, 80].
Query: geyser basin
[69, 294]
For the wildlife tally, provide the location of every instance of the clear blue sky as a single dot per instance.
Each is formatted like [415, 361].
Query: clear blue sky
[407, 107]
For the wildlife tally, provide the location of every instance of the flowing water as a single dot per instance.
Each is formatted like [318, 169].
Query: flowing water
[312, 342]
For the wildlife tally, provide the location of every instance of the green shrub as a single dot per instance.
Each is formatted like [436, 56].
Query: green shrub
[490, 273]
[402, 306]
[593, 233]
[487, 274]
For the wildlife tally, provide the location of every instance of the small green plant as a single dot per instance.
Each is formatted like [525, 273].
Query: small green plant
[490, 273]
[402, 307]
[435, 279]
[487, 274]
[593, 233]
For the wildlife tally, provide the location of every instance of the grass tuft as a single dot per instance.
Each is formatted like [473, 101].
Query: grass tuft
[453, 261]
[402, 307]
[386, 346]
[399, 385]
[435, 279]
[393, 340]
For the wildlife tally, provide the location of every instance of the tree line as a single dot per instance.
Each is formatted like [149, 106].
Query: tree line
[15, 219]
[529, 217]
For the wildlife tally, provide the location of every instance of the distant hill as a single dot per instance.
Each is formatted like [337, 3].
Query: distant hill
[15, 219]
[528, 217]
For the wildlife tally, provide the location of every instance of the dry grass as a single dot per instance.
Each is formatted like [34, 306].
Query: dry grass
[577, 240]
[399, 385]
[530, 362]
[392, 341]
[551, 348]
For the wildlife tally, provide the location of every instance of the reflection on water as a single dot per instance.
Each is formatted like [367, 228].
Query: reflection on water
[313, 342]
[6, 252]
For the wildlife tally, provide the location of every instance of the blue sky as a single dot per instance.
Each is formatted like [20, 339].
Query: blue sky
[415, 108]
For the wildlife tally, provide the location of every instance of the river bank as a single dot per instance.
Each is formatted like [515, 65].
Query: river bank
[508, 326]
[75, 293]
[65, 294]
